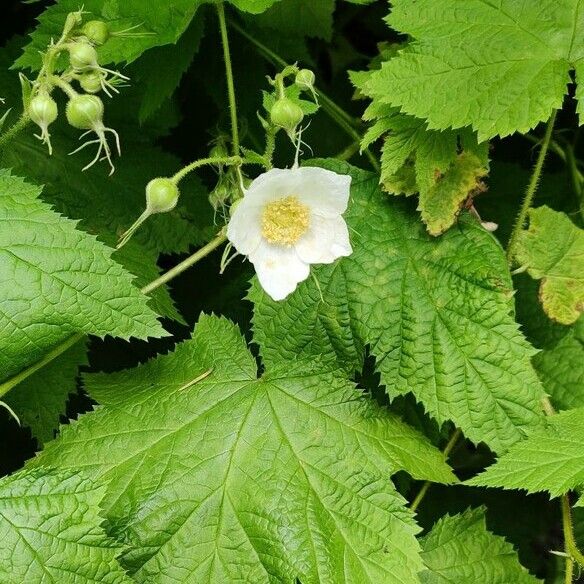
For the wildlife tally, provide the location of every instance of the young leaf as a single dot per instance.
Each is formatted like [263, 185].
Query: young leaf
[437, 314]
[461, 550]
[51, 531]
[552, 250]
[57, 281]
[550, 459]
[40, 400]
[446, 167]
[498, 67]
[214, 475]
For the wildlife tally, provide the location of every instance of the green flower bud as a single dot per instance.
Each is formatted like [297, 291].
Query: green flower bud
[91, 81]
[84, 112]
[286, 114]
[161, 195]
[96, 31]
[82, 56]
[42, 110]
[305, 79]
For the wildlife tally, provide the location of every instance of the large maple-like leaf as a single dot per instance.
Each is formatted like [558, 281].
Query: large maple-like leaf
[499, 67]
[214, 475]
[436, 313]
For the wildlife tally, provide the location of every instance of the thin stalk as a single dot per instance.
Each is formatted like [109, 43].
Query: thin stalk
[531, 189]
[570, 545]
[577, 178]
[344, 120]
[227, 160]
[186, 264]
[73, 339]
[14, 130]
[230, 84]
[447, 450]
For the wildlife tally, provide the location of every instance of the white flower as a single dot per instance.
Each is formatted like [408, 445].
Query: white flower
[289, 219]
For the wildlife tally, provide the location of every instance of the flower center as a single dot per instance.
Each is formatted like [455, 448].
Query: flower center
[285, 221]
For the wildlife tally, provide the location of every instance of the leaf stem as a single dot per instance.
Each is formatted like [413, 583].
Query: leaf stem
[229, 75]
[447, 450]
[59, 349]
[14, 130]
[532, 188]
[344, 120]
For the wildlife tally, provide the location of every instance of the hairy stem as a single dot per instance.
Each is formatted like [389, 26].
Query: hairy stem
[230, 84]
[447, 450]
[227, 160]
[531, 189]
[570, 545]
[344, 120]
[59, 349]
[14, 130]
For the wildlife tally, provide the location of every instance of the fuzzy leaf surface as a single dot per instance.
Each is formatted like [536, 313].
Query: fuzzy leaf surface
[234, 478]
[57, 281]
[552, 250]
[51, 531]
[436, 313]
[550, 459]
[498, 67]
[461, 549]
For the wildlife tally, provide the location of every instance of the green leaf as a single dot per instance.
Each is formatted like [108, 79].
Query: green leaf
[51, 531]
[461, 550]
[551, 459]
[437, 314]
[561, 369]
[446, 168]
[253, 6]
[162, 22]
[498, 67]
[40, 400]
[552, 250]
[214, 475]
[57, 281]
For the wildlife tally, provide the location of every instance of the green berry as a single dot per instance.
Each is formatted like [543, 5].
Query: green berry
[161, 195]
[96, 31]
[91, 81]
[43, 110]
[305, 79]
[286, 114]
[84, 112]
[82, 56]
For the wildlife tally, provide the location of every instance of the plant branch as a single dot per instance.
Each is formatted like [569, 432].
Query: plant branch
[447, 450]
[229, 75]
[14, 130]
[570, 546]
[227, 160]
[344, 120]
[59, 349]
[531, 189]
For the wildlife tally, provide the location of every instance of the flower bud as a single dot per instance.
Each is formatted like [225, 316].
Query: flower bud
[91, 81]
[82, 56]
[161, 195]
[96, 31]
[305, 79]
[84, 112]
[286, 114]
[42, 110]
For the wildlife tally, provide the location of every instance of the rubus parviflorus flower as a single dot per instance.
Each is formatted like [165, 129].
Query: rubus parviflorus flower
[289, 219]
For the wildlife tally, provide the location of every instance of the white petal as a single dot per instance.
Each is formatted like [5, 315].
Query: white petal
[324, 191]
[326, 240]
[279, 269]
[244, 228]
[276, 183]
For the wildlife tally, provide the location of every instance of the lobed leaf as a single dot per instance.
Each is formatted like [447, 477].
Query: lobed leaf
[436, 313]
[214, 475]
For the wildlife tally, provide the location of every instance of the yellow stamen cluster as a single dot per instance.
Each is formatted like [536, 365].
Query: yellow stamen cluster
[285, 221]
